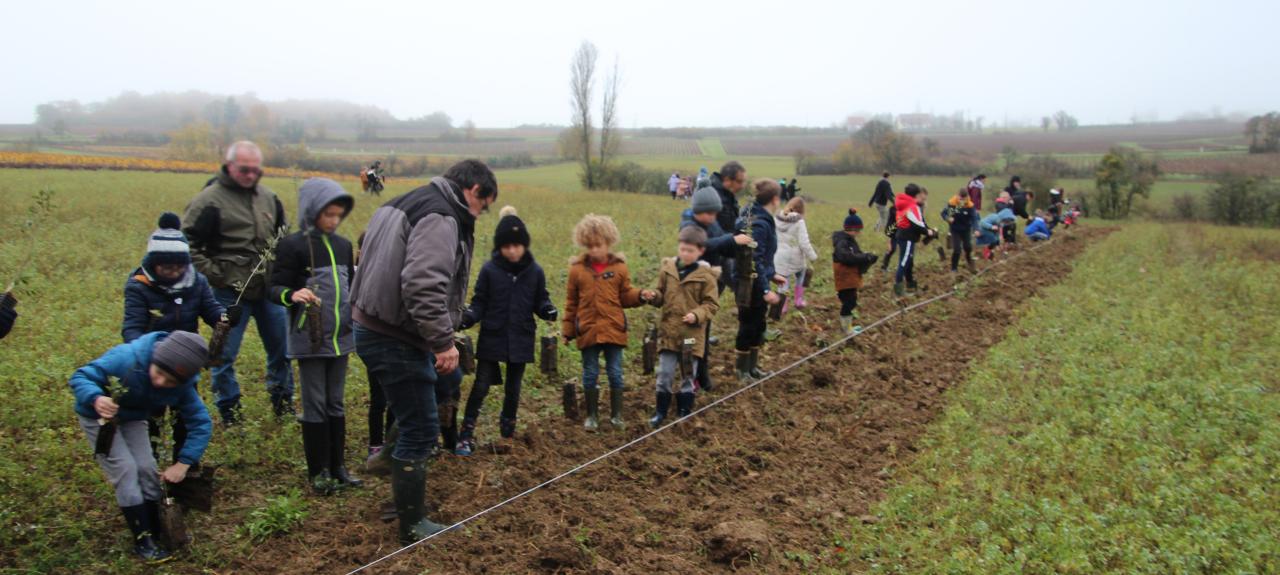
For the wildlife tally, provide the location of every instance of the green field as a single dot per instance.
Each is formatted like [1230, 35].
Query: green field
[1127, 424]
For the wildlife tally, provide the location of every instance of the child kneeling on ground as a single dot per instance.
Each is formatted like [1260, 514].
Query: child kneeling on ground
[599, 288]
[990, 231]
[849, 263]
[153, 371]
[511, 289]
[1038, 230]
[689, 298]
[312, 278]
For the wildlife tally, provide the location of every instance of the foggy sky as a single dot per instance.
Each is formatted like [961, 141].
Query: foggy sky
[690, 63]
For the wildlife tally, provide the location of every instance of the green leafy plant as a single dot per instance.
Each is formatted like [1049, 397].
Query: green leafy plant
[279, 516]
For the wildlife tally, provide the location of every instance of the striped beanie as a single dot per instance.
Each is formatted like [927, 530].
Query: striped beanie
[852, 221]
[167, 245]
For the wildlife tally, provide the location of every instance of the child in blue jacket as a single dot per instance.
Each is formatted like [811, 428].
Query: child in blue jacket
[1038, 230]
[124, 387]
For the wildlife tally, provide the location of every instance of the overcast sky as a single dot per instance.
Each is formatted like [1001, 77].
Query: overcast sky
[702, 63]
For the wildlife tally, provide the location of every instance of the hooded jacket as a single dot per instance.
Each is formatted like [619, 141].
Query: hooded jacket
[506, 298]
[848, 261]
[764, 232]
[594, 302]
[323, 263]
[694, 293]
[229, 227]
[795, 251]
[1038, 225]
[960, 215]
[130, 365]
[151, 307]
[415, 265]
[909, 218]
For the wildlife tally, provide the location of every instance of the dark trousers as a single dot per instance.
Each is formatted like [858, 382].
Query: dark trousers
[848, 301]
[412, 387]
[961, 241]
[752, 323]
[380, 418]
[489, 373]
[906, 261]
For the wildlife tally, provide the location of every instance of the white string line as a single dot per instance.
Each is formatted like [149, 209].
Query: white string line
[691, 415]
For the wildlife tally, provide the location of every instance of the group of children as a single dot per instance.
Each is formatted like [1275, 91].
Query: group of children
[157, 367]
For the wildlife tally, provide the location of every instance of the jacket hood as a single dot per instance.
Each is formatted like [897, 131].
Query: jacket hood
[785, 219]
[1004, 215]
[315, 195]
[955, 202]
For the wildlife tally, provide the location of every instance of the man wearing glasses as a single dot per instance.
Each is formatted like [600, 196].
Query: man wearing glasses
[230, 225]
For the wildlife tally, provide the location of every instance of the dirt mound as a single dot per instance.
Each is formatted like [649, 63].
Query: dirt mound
[774, 470]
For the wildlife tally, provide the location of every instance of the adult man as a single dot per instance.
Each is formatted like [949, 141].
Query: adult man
[410, 290]
[231, 224]
[880, 199]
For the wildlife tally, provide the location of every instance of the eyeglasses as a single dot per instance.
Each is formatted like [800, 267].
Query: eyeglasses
[247, 170]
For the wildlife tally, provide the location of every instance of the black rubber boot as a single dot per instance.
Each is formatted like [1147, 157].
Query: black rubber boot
[507, 427]
[593, 409]
[338, 455]
[230, 414]
[380, 463]
[315, 447]
[742, 367]
[144, 543]
[756, 372]
[615, 409]
[408, 487]
[704, 373]
[660, 411]
[684, 404]
[282, 405]
[448, 412]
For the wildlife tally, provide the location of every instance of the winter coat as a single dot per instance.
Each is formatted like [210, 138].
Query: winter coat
[720, 245]
[229, 227]
[794, 249]
[1020, 199]
[323, 263]
[130, 365]
[594, 302]
[506, 298]
[672, 183]
[848, 261]
[959, 215]
[883, 194]
[150, 307]
[909, 219]
[1038, 225]
[764, 232]
[695, 293]
[975, 193]
[415, 265]
[728, 216]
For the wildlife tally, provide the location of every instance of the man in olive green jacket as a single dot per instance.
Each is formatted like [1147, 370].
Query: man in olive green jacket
[231, 224]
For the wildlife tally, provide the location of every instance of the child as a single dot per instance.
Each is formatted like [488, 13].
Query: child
[599, 289]
[794, 250]
[380, 419]
[701, 214]
[910, 230]
[166, 293]
[848, 263]
[125, 386]
[312, 278]
[990, 230]
[753, 318]
[689, 299]
[511, 289]
[1038, 230]
[960, 215]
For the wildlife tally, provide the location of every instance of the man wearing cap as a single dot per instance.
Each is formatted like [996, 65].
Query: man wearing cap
[231, 225]
[116, 394]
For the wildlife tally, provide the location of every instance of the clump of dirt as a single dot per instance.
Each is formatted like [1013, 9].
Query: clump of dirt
[779, 467]
[739, 542]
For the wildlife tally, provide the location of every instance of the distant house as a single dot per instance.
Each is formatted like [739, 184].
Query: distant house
[854, 123]
[915, 122]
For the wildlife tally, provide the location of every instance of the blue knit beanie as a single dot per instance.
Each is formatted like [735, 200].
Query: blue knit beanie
[852, 222]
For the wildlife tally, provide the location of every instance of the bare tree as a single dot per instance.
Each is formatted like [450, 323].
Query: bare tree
[581, 86]
[609, 139]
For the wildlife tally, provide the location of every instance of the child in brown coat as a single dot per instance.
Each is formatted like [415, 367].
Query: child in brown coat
[599, 289]
[849, 262]
[689, 298]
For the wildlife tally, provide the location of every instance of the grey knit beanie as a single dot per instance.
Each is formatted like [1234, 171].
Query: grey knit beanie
[181, 353]
[706, 199]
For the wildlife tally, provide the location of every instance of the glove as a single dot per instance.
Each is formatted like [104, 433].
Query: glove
[468, 320]
[233, 315]
[550, 314]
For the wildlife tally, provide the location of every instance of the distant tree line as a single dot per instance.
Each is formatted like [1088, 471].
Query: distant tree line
[1263, 133]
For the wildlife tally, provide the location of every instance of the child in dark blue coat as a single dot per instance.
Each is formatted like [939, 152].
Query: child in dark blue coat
[511, 289]
[166, 293]
[123, 387]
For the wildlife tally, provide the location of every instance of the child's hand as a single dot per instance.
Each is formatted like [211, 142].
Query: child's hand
[568, 340]
[742, 239]
[175, 473]
[105, 406]
[778, 279]
[772, 298]
[647, 295]
[305, 296]
[690, 319]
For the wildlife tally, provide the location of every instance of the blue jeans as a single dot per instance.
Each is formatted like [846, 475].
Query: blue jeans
[612, 365]
[988, 238]
[272, 322]
[411, 385]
